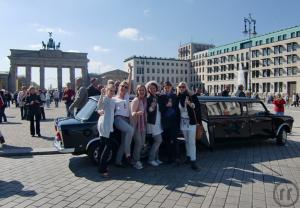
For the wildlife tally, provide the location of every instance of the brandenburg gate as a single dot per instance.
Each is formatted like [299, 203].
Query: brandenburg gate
[49, 56]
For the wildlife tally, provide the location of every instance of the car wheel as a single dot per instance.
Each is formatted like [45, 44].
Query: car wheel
[281, 139]
[93, 152]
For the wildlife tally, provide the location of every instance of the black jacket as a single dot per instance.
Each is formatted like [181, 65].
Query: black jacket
[33, 109]
[169, 121]
[191, 111]
[92, 91]
[151, 114]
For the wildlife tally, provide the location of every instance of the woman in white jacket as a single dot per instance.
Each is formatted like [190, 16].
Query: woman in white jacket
[106, 107]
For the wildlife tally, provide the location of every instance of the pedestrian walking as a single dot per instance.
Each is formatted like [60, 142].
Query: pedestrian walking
[2, 107]
[297, 100]
[226, 91]
[122, 120]
[154, 126]
[33, 101]
[68, 97]
[139, 123]
[81, 97]
[56, 98]
[105, 108]
[189, 108]
[169, 114]
[21, 101]
[279, 103]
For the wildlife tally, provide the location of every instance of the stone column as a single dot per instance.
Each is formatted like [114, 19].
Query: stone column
[72, 77]
[85, 78]
[59, 78]
[12, 78]
[28, 76]
[42, 77]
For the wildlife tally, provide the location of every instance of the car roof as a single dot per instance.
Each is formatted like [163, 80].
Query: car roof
[222, 98]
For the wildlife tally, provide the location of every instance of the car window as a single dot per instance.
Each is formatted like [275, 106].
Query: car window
[256, 109]
[87, 111]
[213, 109]
[230, 108]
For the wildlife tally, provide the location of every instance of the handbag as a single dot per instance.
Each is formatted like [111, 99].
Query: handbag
[199, 128]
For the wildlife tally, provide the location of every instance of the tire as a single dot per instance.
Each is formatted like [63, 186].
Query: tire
[281, 138]
[92, 152]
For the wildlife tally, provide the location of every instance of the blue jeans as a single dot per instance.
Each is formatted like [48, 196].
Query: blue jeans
[280, 113]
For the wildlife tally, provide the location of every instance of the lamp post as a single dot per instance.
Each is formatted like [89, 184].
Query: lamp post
[250, 30]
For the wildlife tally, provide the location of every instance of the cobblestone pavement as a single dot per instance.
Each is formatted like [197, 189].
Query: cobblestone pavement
[236, 176]
[239, 175]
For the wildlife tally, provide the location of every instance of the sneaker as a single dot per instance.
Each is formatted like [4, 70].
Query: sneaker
[158, 162]
[2, 141]
[138, 165]
[153, 163]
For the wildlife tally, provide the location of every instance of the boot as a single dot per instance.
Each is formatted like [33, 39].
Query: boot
[194, 166]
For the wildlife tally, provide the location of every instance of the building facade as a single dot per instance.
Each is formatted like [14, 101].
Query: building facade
[271, 60]
[146, 69]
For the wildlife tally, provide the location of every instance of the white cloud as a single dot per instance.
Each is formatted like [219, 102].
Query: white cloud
[35, 46]
[147, 12]
[46, 29]
[131, 34]
[99, 67]
[100, 49]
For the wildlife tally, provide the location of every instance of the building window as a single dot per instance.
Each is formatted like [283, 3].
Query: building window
[143, 79]
[162, 71]
[137, 79]
[298, 34]
[153, 71]
[293, 34]
[162, 63]
[153, 63]
[271, 40]
[148, 79]
[279, 38]
[158, 71]
[148, 70]
[284, 37]
[157, 63]
[266, 73]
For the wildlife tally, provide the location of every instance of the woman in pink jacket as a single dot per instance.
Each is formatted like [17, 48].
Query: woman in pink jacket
[139, 123]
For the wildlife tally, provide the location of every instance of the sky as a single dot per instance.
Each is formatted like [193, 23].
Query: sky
[112, 30]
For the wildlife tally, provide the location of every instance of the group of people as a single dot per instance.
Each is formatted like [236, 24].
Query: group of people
[151, 112]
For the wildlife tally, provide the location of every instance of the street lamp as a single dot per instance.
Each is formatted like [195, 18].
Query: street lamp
[250, 30]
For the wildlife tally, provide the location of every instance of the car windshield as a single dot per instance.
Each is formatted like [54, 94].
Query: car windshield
[87, 110]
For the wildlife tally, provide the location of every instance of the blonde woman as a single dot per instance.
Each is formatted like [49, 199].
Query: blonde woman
[190, 114]
[139, 123]
[106, 108]
[122, 121]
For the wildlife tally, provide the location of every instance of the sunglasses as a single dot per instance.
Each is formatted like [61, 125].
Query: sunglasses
[126, 87]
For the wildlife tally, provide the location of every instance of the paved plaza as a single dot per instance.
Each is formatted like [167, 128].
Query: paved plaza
[239, 175]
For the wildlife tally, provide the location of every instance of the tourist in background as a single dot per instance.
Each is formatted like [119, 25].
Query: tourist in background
[16, 99]
[81, 97]
[33, 102]
[154, 126]
[21, 100]
[8, 98]
[2, 107]
[226, 91]
[139, 123]
[56, 98]
[190, 114]
[240, 91]
[169, 114]
[68, 97]
[48, 98]
[105, 108]
[122, 121]
[279, 105]
[93, 88]
[43, 101]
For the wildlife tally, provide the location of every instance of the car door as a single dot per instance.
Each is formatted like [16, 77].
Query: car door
[260, 122]
[230, 123]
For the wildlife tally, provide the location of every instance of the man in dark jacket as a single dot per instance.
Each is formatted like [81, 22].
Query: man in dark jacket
[226, 91]
[93, 88]
[169, 116]
[81, 97]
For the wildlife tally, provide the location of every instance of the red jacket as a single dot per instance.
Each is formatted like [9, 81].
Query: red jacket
[279, 105]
